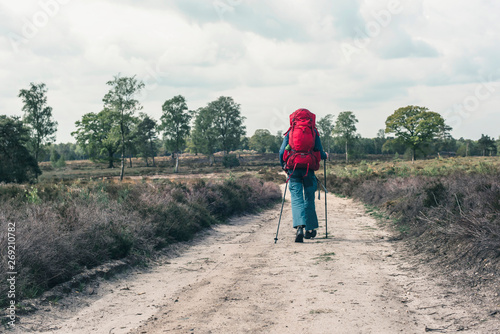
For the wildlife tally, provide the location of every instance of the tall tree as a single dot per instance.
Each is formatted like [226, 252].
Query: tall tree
[487, 145]
[415, 126]
[228, 122]
[175, 125]
[379, 141]
[99, 135]
[204, 134]
[121, 99]
[345, 130]
[325, 128]
[38, 117]
[145, 138]
[16, 162]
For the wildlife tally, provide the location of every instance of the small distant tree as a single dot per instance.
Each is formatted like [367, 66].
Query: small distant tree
[16, 162]
[99, 135]
[146, 137]
[175, 125]
[120, 99]
[38, 117]
[379, 141]
[228, 122]
[345, 130]
[325, 128]
[263, 141]
[204, 134]
[415, 126]
[487, 145]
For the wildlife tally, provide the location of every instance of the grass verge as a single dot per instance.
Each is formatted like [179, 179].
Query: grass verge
[448, 212]
[63, 229]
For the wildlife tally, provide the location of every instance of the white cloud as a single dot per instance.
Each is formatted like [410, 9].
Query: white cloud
[272, 57]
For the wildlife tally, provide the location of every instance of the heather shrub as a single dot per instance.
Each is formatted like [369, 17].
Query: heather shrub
[63, 229]
[453, 218]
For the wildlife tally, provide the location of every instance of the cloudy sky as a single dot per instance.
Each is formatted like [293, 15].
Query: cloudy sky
[271, 56]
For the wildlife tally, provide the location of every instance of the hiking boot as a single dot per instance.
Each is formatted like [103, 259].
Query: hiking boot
[300, 234]
[310, 234]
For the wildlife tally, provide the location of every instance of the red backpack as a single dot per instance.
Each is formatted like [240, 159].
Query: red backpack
[301, 138]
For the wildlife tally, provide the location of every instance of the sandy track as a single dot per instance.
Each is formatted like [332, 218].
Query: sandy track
[236, 280]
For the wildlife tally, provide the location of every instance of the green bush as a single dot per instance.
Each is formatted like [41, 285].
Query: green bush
[230, 161]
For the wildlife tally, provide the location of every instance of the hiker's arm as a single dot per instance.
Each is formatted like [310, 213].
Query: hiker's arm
[282, 150]
[319, 147]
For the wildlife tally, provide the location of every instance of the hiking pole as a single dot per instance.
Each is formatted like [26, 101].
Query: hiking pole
[279, 221]
[326, 221]
[326, 216]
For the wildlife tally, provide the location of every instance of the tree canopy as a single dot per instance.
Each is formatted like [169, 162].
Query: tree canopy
[175, 123]
[325, 128]
[16, 162]
[263, 141]
[204, 134]
[415, 126]
[121, 99]
[345, 129]
[145, 138]
[99, 135]
[227, 122]
[38, 117]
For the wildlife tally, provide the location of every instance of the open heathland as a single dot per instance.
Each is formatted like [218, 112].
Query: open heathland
[64, 229]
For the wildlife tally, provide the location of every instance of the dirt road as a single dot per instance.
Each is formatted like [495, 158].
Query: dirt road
[235, 279]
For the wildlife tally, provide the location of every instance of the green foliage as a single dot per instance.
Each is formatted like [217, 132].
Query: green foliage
[98, 134]
[230, 161]
[16, 162]
[416, 126]
[32, 196]
[487, 145]
[120, 99]
[38, 117]
[175, 123]
[263, 141]
[227, 122]
[145, 138]
[204, 134]
[325, 128]
[345, 130]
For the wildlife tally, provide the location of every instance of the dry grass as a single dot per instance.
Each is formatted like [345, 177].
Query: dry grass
[449, 209]
[64, 228]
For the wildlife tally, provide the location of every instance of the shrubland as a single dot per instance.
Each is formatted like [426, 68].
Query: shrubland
[447, 209]
[64, 228]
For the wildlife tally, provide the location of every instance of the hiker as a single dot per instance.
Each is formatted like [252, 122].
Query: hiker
[300, 155]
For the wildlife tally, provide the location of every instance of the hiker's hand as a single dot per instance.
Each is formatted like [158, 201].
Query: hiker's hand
[326, 155]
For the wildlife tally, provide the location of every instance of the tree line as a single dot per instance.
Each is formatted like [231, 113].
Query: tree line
[121, 130]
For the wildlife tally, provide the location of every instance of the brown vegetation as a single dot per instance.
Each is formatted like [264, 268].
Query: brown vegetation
[64, 229]
[449, 213]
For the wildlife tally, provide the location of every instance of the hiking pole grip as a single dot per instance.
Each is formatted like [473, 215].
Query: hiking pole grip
[281, 212]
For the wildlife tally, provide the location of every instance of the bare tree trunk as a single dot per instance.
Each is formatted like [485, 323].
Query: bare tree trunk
[122, 172]
[176, 163]
[130, 161]
[346, 154]
[152, 152]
